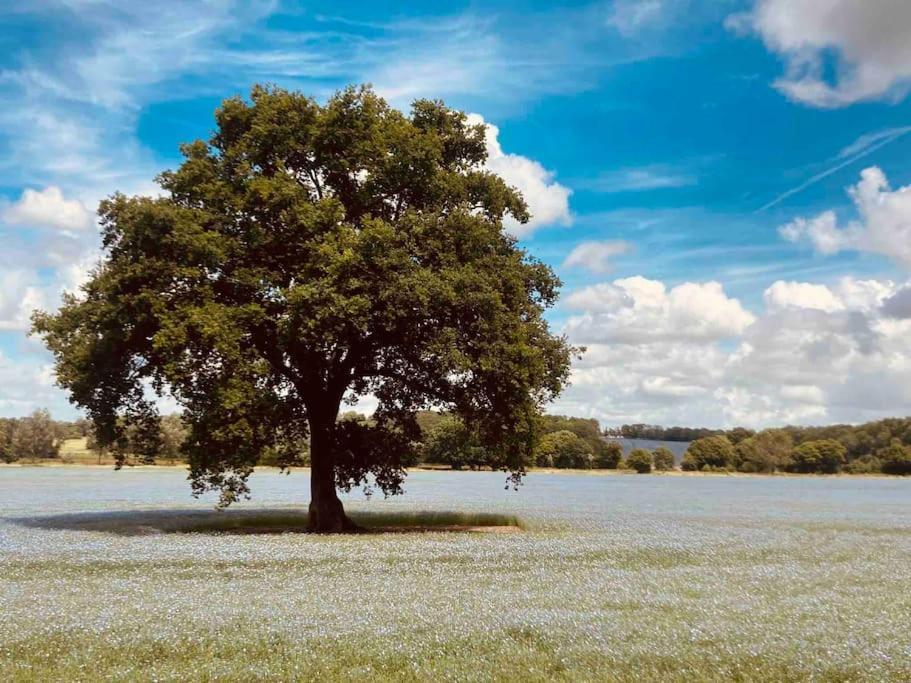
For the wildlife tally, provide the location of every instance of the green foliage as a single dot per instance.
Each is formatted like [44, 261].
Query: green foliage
[451, 443]
[564, 450]
[738, 434]
[767, 451]
[824, 456]
[865, 464]
[36, 437]
[709, 453]
[608, 457]
[7, 428]
[658, 433]
[895, 458]
[663, 459]
[427, 420]
[304, 254]
[605, 455]
[639, 460]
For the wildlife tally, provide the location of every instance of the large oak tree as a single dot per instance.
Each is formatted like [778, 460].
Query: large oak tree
[302, 257]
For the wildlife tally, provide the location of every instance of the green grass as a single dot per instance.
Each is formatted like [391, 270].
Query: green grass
[268, 521]
[240, 651]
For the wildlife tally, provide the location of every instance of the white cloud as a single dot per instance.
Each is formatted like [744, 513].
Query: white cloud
[548, 200]
[815, 353]
[783, 295]
[48, 208]
[637, 310]
[596, 256]
[868, 38]
[884, 225]
[20, 294]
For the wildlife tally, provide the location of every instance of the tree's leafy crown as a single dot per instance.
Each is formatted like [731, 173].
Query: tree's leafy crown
[304, 256]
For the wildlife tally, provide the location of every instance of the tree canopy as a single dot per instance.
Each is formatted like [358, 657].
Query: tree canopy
[709, 453]
[563, 449]
[306, 255]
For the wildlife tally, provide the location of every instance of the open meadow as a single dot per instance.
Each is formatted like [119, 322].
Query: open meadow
[108, 575]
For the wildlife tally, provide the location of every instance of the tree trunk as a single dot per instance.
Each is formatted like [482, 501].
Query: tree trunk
[326, 514]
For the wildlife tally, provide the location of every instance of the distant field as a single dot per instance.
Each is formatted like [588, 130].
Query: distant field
[118, 576]
[74, 452]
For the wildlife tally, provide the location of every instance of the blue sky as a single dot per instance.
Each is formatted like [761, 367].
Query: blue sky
[694, 168]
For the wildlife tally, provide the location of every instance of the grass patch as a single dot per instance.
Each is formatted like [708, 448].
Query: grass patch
[266, 521]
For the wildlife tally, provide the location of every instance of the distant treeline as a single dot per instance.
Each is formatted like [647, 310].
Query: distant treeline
[36, 437]
[659, 433]
[882, 446]
[563, 442]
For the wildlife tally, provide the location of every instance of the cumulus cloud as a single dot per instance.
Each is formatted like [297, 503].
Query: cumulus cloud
[693, 355]
[898, 305]
[782, 295]
[20, 294]
[884, 225]
[869, 41]
[596, 256]
[638, 310]
[548, 200]
[48, 208]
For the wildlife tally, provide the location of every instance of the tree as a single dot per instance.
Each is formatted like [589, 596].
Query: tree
[640, 460]
[825, 455]
[451, 443]
[609, 457]
[307, 255]
[564, 450]
[776, 445]
[172, 433]
[750, 456]
[36, 437]
[895, 458]
[738, 434]
[711, 453]
[767, 451]
[586, 429]
[865, 464]
[7, 429]
[663, 458]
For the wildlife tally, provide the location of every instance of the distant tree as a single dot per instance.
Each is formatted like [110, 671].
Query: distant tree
[452, 443]
[709, 453]
[738, 434]
[565, 450]
[865, 464]
[639, 460]
[768, 451]
[307, 254]
[37, 437]
[427, 420]
[609, 457]
[663, 458]
[7, 429]
[586, 429]
[776, 445]
[657, 433]
[895, 458]
[824, 455]
[82, 427]
[173, 433]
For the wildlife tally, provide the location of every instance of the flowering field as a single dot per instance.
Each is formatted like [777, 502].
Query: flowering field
[617, 577]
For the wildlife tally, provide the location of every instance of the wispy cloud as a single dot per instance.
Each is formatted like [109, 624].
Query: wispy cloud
[863, 146]
[638, 179]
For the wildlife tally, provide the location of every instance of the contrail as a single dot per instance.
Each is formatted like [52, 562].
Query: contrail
[847, 162]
